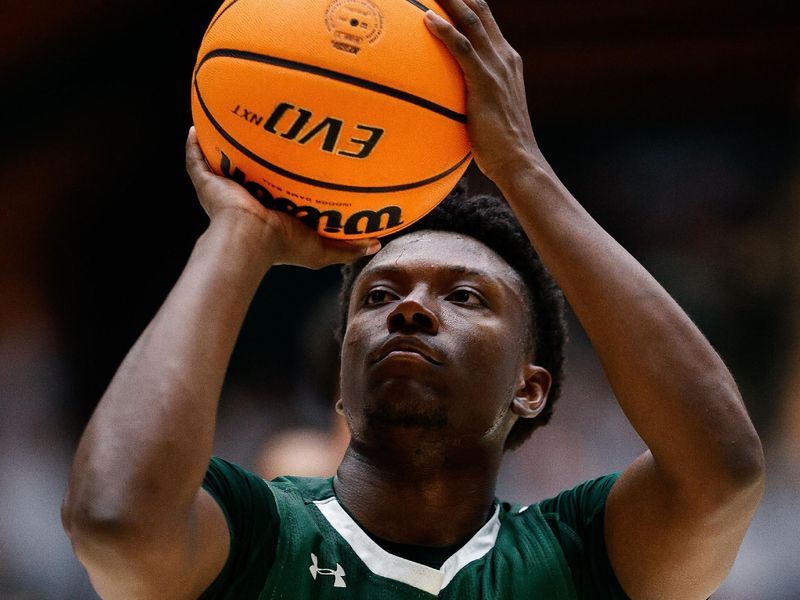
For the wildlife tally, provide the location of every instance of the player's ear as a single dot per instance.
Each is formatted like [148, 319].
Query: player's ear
[530, 397]
[340, 407]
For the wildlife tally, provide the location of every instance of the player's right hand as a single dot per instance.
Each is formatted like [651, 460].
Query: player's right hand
[288, 240]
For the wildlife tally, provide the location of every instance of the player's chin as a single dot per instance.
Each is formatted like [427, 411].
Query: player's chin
[407, 401]
[396, 415]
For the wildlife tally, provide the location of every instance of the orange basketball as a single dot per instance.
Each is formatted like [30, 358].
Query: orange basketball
[348, 114]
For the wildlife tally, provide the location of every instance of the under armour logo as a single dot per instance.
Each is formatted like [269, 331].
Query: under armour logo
[338, 574]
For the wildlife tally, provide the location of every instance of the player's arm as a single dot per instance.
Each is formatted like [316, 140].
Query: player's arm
[676, 517]
[134, 509]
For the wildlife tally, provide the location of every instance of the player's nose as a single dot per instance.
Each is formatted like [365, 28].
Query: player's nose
[412, 315]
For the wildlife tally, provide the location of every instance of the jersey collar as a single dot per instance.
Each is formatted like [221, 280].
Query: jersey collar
[384, 564]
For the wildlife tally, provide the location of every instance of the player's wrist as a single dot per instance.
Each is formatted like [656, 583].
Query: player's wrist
[247, 235]
[518, 171]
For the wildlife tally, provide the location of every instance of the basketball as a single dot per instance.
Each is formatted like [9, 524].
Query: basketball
[347, 114]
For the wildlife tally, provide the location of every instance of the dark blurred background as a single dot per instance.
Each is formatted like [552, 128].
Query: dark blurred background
[674, 122]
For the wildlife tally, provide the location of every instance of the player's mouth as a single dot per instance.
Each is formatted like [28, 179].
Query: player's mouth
[406, 345]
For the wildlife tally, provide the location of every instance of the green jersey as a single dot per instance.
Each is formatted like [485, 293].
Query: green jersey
[291, 538]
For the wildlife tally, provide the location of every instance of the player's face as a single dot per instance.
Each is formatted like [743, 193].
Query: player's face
[436, 339]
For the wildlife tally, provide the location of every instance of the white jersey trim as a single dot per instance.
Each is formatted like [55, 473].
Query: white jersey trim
[384, 564]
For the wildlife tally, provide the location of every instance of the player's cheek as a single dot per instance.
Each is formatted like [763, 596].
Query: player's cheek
[491, 360]
[356, 338]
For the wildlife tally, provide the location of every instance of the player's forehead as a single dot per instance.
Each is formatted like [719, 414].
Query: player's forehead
[443, 252]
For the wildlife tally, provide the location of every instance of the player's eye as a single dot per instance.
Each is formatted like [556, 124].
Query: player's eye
[467, 297]
[378, 296]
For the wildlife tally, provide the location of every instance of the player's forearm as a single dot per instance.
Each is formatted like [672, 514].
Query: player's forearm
[147, 446]
[670, 382]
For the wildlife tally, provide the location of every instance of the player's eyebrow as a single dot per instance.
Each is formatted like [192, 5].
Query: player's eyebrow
[389, 270]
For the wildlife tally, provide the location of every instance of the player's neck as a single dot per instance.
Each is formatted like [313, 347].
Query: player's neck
[426, 502]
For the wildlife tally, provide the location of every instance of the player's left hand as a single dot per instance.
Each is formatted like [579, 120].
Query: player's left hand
[498, 123]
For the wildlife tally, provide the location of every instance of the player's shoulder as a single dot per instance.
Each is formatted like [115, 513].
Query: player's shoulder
[568, 524]
[571, 524]
[245, 496]
[310, 488]
[306, 489]
[582, 502]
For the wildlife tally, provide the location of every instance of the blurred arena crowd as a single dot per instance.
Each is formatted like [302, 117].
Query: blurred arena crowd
[676, 125]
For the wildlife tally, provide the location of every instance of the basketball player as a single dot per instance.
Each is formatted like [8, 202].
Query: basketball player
[451, 347]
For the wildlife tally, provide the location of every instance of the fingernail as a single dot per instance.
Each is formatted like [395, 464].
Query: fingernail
[373, 247]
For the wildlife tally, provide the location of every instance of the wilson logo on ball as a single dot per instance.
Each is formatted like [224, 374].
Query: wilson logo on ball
[330, 221]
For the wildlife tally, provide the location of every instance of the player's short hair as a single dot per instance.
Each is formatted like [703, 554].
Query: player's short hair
[490, 221]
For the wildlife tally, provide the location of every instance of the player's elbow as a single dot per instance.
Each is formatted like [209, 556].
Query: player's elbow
[725, 466]
[738, 476]
[749, 468]
[747, 471]
[742, 456]
[734, 456]
[107, 542]
[91, 522]
[85, 525]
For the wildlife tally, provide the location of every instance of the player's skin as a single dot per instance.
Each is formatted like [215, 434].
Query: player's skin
[427, 446]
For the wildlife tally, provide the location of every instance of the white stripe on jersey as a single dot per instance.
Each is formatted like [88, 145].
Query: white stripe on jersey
[384, 564]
